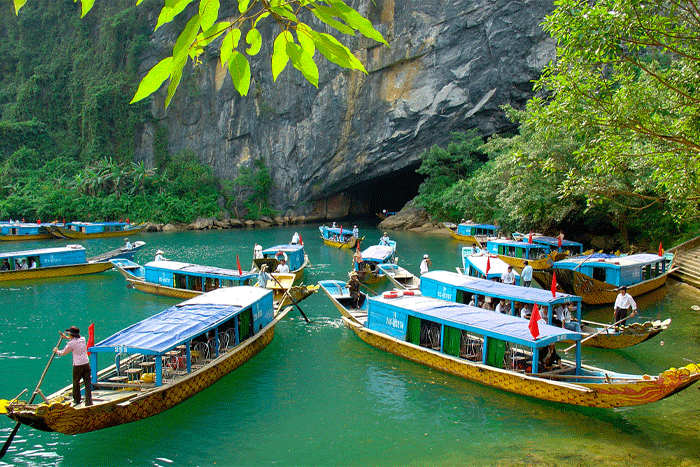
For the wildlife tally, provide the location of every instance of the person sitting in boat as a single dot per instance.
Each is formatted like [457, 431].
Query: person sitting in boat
[159, 256]
[623, 303]
[503, 306]
[525, 311]
[23, 264]
[257, 251]
[353, 285]
[295, 238]
[508, 277]
[544, 315]
[549, 359]
[127, 244]
[558, 318]
[356, 231]
[32, 263]
[282, 267]
[425, 264]
[486, 303]
[263, 276]
[5, 265]
[567, 321]
[384, 240]
[526, 275]
[81, 363]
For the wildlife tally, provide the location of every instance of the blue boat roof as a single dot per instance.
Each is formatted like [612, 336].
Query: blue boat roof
[503, 241]
[613, 261]
[478, 260]
[42, 251]
[180, 323]
[188, 268]
[97, 223]
[483, 226]
[498, 289]
[511, 328]
[336, 230]
[377, 253]
[554, 241]
[283, 248]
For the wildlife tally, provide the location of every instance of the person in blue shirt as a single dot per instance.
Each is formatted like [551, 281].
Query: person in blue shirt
[384, 240]
[526, 275]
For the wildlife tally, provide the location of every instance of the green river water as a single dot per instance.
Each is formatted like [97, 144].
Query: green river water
[318, 395]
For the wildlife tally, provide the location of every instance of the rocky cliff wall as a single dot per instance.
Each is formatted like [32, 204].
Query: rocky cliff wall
[450, 67]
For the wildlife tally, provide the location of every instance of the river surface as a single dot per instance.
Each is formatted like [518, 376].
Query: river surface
[318, 395]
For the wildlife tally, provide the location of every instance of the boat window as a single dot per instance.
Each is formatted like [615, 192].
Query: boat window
[210, 284]
[646, 272]
[227, 283]
[463, 297]
[430, 334]
[599, 274]
[245, 324]
[194, 283]
[180, 281]
[471, 347]
[518, 358]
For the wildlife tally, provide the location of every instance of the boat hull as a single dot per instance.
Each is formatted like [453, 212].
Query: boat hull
[21, 238]
[55, 271]
[519, 263]
[157, 289]
[619, 340]
[599, 395]
[63, 232]
[60, 416]
[352, 243]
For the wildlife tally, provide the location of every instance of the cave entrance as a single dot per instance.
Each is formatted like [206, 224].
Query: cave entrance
[390, 192]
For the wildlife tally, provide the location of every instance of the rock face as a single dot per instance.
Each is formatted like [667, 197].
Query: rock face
[450, 67]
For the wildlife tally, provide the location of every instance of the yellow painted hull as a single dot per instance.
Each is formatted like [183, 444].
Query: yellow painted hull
[62, 232]
[347, 245]
[471, 239]
[519, 263]
[62, 417]
[157, 289]
[618, 340]
[55, 271]
[600, 395]
[20, 238]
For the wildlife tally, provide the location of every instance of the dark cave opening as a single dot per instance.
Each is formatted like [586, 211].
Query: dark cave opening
[390, 192]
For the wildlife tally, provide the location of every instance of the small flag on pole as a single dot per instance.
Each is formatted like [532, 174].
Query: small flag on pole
[91, 336]
[529, 238]
[661, 249]
[301, 242]
[238, 263]
[488, 266]
[559, 242]
[534, 318]
[554, 284]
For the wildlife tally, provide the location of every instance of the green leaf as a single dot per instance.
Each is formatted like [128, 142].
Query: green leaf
[243, 5]
[262, 15]
[285, 11]
[336, 52]
[303, 62]
[171, 9]
[357, 21]
[305, 39]
[254, 39]
[19, 4]
[322, 13]
[208, 12]
[229, 43]
[206, 37]
[239, 68]
[279, 53]
[175, 78]
[86, 6]
[185, 40]
[153, 79]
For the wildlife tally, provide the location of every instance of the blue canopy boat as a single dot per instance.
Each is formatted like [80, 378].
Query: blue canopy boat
[458, 288]
[480, 263]
[22, 231]
[473, 233]
[568, 248]
[69, 260]
[497, 350]
[368, 270]
[85, 230]
[295, 256]
[515, 252]
[339, 237]
[120, 253]
[161, 361]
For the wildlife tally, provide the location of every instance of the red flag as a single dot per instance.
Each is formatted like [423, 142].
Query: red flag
[341, 233]
[534, 318]
[238, 262]
[529, 238]
[488, 266]
[661, 249]
[559, 242]
[301, 242]
[91, 336]
[554, 284]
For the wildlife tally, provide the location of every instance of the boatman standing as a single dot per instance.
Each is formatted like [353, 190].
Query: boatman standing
[526, 275]
[425, 264]
[257, 251]
[81, 363]
[623, 303]
[127, 244]
[356, 231]
[384, 240]
[263, 276]
[159, 256]
[295, 238]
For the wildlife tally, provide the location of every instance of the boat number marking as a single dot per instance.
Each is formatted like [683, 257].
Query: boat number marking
[444, 293]
[394, 322]
[121, 349]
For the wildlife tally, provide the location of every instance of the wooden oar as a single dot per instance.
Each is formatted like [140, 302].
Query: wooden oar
[634, 313]
[290, 297]
[373, 292]
[36, 391]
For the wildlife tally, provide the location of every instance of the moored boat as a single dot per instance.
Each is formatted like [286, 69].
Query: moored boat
[368, 270]
[338, 237]
[596, 278]
[480, 263]
[117, 253]
[85, 230]
[497, 351]
[294, 255]
[462, 289]
[24, 231]
[161, 361]
[472, 232]
[400, 277]
[515, 253]
[69, 260]
[561, 247]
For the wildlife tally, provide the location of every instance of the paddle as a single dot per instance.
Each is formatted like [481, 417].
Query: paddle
[36, 391]
[634, 313]
[373, 292]
[291, 298]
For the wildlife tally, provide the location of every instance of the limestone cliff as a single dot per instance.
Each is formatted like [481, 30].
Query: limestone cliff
[450, 67]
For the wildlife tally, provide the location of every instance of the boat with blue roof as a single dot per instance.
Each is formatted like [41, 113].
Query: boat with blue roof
[480, 263]
[24, 231]
[597, 277]
[458, 288]
[472, 232]
[69, 260]
[515, 253]
[294, 255]
[161, 361]
[85, 230]
[339, 237]
[563, 248]
[368, 270]
[499, 351]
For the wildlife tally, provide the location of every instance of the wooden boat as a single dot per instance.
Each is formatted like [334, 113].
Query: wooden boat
[338, 237]
[497, 350]
[399, 276]
[368, 270]
[476, 262]
[515, 252]
[117, 253]
[185, 280]
[339, 294]
[85, 230]
[561, 247]
[295, 256]
[69, 260]
[597, 277]
[385, 214]
[472, 232]
[462, 289]
[161, 361]
[24, 231]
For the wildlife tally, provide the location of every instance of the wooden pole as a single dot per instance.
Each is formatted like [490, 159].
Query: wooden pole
[602, 330]
[290, 297]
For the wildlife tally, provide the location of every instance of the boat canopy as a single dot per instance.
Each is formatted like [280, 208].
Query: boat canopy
[469, 228]
[478, 261]
[180, 323]
[377, 253]
[294, 254]
[469, 318]
[63, 250]
[553, 242]
[617, 270]
[188, 268]
[97, 227]
[328, 231]
[517, 249]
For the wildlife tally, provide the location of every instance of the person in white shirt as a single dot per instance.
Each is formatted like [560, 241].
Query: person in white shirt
[508, 277]
[127, 244]
[525, 311]
[263, 276]
[384, 240]
[257, 251]
[503, 307]
[568, 322]
[356, 232]
[295, 238]
[159, 256]
[425, 264]
[282, 267]
[526, 275]
[559, 314]
[81, 364]
[623, 303]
